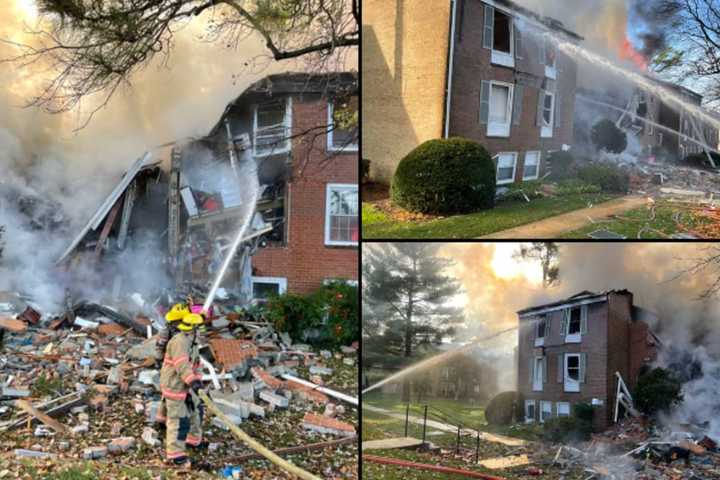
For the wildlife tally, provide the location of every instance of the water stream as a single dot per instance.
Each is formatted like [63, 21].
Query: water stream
[435, 360]
[247, 176]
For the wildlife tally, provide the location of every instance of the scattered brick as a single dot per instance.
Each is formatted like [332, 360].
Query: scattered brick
[230, 353]
[323, 424]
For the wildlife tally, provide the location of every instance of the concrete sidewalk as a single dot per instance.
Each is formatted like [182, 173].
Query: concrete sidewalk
[553, 227]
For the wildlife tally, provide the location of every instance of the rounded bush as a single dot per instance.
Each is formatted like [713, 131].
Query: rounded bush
[501, 408]
[609, 178]
[606, 136]
[445, 176]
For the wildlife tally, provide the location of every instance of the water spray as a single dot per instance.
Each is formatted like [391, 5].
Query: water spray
[250, 180]
[434, 360]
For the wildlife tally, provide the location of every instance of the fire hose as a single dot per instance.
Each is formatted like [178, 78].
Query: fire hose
[251, 442]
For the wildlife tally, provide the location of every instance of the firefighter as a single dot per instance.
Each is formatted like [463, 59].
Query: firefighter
[172, 320]
[178, 375]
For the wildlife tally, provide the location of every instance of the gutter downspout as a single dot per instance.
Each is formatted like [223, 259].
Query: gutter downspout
[448, 92]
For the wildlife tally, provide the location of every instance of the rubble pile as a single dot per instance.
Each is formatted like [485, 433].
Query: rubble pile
[636, 449]
[83, 385]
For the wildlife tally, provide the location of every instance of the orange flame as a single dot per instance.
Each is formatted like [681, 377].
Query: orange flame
[628, 52]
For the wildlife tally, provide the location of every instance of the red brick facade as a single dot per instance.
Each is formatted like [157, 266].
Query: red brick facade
[613, 342]
[305, 261]
[472, 64]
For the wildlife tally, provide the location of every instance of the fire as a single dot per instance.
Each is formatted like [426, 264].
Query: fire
[628, 52]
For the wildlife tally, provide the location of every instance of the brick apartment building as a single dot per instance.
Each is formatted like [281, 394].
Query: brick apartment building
[684, 134]
[308, 169]
[570, 350]
[479, 69]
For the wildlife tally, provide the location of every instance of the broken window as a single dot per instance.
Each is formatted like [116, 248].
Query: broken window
[263, 288]
[545, 410]
[541, 325]
[548, 109]
[272, 207]
[574, 371]
[532, 166]
[341, 221]
[506, 167]
[575, 321]
[501, 36]
[500, 109]
[529, 411]
[272, 127]
[342, 125]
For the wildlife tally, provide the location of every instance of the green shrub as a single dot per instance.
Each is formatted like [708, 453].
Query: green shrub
[606, 136]
[500, 409]
[562, 165]
[609, 178]
[518, 191]
[657, 390]
[575, 186]
[566, 429]
[331, 312]
[584, 411]
[445, 176]
[365, 169]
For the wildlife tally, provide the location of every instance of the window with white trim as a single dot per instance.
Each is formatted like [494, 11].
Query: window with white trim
[271, 127]
[342, 126]
[503, 47]
[548, 114]
[263, 288]
[545, 410]
[506, 163]
[575, 323]
[563, 409]
[500, 116]
[572, 372]
[538, 373]
[341, 214]
[529, 411]
[531, 169]
[550, 59]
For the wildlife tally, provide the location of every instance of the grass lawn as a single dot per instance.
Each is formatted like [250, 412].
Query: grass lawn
[376, 224]
[641, 220]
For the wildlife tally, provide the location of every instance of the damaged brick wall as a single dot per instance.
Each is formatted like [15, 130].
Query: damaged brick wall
[306, 261]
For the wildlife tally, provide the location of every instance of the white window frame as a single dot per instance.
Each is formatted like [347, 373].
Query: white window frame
[537, 170]
[570, 385]
[528, 418]
[574, 337]
[498, 57]
[350, 147]
[542, 412]
[287, 122]
[281, 282]
[538, 374]
[565, 406]
[500, 129]
[497, 167]
[540, 341]
[330, 187]
[546, 131]
[550, 70]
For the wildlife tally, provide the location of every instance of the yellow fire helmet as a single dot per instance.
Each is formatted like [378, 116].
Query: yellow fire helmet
[190, 321]
[177, 312]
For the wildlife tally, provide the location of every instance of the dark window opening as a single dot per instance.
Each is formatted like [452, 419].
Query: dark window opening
[501, 38]
[541, 328]
[531, 411]
[574, 326]
[573, 368]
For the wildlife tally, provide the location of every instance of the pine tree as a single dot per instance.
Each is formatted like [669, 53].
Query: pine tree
[408, 291]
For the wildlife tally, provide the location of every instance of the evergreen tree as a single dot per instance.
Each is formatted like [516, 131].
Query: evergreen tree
[408, 284]
[547, 254]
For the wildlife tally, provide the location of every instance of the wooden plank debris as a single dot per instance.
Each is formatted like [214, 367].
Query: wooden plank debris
[46, 419]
